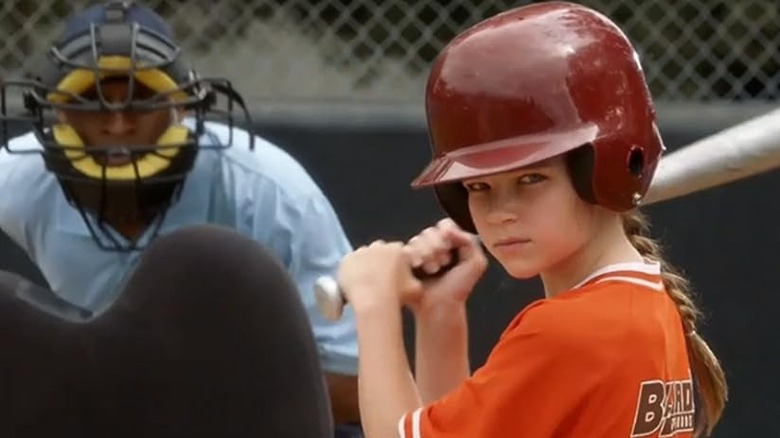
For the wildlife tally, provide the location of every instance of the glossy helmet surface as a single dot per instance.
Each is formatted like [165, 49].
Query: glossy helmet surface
[536, 82]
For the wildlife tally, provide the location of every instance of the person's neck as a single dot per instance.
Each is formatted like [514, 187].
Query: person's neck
[611, 246]
[131, 227]
[130, 231]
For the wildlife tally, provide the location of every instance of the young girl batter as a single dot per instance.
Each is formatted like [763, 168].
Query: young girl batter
[545, 141]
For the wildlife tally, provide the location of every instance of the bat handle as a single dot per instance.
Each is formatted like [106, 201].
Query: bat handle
[331, 301]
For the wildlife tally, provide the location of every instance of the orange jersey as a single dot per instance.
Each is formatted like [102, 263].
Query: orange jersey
[605, 359]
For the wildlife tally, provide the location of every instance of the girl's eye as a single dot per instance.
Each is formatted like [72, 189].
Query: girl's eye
[476, 186]
[532, 178]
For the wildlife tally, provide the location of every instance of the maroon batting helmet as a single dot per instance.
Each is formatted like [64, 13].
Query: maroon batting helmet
[536, 82]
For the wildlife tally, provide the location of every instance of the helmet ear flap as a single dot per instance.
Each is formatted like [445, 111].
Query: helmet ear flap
[604, 183]
[580, 162]
[455, 201]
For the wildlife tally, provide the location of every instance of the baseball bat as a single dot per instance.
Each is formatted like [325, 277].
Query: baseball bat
[747, 149]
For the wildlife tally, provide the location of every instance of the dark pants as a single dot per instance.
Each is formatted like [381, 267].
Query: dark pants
[208, 339]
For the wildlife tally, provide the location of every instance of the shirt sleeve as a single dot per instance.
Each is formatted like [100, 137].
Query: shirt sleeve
[532, 382]
[318, 246]
[21, 177]
[287, 211]
[305, 232]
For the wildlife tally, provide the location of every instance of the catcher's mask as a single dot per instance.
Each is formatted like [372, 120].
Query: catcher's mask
[120, 41]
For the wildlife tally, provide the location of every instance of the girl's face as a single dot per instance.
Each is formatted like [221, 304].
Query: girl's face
[531, 219]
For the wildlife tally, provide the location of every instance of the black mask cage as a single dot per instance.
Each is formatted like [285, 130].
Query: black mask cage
[71, 79]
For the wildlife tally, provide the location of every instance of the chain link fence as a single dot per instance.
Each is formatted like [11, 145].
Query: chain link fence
[692, 50]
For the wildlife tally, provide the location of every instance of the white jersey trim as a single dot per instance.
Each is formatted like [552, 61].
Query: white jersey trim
[651, 268]
[658, 285]
[416, 432]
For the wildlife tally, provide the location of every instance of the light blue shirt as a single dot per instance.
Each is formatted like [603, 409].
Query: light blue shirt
[264, 194]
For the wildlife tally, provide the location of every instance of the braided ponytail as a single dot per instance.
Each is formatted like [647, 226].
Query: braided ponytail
[709, 375]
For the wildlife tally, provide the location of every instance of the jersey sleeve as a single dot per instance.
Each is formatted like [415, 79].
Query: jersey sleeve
[533, 380]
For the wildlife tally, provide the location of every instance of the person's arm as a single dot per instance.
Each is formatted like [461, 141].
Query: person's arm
[377, 280]
[441, 349]
[291, 215]
[343, 390]
[441, 358]
[21, 188]
[387, 389]
[315, 245]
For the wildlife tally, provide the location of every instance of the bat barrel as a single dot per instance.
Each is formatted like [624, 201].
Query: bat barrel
[738, 152]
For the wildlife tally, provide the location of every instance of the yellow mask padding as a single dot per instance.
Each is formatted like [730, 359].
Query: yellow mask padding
[150, 164]
[80, 80]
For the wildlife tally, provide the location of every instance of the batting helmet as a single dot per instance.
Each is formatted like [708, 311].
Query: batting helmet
[533, 83]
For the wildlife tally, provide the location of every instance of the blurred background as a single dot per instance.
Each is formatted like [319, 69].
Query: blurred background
[340, 83]
[379, 50]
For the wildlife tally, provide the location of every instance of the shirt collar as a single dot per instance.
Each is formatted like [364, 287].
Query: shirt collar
[648, 271]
